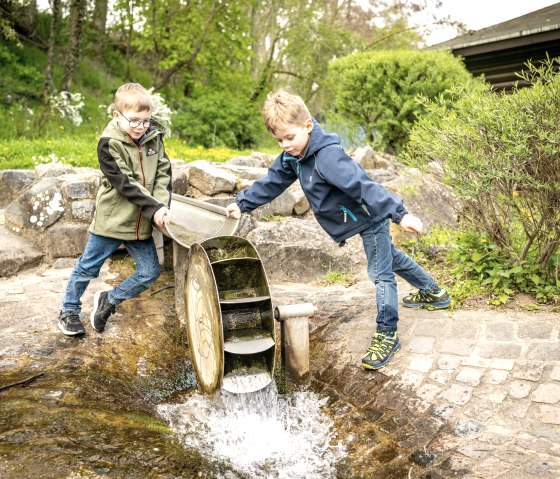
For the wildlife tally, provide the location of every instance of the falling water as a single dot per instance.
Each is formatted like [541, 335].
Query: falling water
[260, 434]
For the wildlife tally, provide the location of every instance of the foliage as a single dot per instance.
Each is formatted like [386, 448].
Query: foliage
[334, 276]
[500, 155]
[216, 119]
[19, 80]
[379, 90]
[470, 263]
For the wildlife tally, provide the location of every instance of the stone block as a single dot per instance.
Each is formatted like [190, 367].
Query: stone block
[500, 331]
[535, 330]
[520, 389]
[65, 239]
[550, 414]
[420, 363]
[456, 394]
[546, 393]
[508, 350]
[421, 345]
[210, 179]
[83, 210]
[459, 347]
[470, 376]
[12, 183]
[545, 351]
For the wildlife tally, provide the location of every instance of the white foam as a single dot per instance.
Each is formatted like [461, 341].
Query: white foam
[260, 434]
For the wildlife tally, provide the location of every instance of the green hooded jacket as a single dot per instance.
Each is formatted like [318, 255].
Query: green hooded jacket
[136, 182]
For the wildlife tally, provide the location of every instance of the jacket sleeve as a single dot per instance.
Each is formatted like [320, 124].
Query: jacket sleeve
[265, 189]
[347, 175]
[121, 177]
[163, 180]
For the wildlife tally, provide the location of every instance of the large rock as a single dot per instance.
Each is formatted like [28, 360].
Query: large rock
[12, 183]
[65, 240]
[38, 207]
[16, 253]
[209, 179]
[299, 250]
[179, 177]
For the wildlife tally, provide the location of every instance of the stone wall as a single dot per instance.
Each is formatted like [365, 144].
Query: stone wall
[53, 205]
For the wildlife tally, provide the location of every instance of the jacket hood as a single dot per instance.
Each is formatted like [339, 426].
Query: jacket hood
[319, 139]
[113, 130]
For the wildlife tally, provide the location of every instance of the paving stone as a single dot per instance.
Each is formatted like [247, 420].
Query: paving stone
[448, 362]
[421, 363]
[409, 378]
[470, 376]
[540, 468]
[458, 329]
[492, 467]
[421, 345]
[480, 409]
[430, 327]
[460, 347]
[513, 455]
[496, 376]
[545, 351]
[507, 350]
[457, 394]
[500, 331]
[541, 446]
[468, 427]
[520, 389]
[445, 411]
[507, 364]
[535, 330]
[496, 396]
[546, 393]
[428, 392]
[528, 371]
[476, 451]
[550, 414]
[555, 373]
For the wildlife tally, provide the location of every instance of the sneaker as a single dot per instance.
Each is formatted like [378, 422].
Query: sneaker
[383, 346]
[429, 300]
[70, 324]
[102, 309]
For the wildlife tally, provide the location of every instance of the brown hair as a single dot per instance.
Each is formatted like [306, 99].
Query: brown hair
[133, 96]
[282, 108]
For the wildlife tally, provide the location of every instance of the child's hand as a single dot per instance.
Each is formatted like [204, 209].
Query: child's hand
[233, 211]
[412, 224]
[161, 215]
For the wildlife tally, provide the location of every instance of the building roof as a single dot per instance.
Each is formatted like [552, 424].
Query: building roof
[540, 21]
[500, 52]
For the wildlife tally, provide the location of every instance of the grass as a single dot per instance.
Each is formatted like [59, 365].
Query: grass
[80, 150]
[332, 277]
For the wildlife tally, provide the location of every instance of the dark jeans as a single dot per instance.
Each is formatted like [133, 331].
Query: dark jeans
[98, 249]
[384, 260]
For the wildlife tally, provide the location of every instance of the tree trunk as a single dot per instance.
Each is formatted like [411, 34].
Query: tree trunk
[48, 86]
[100, 24]
[77, 14]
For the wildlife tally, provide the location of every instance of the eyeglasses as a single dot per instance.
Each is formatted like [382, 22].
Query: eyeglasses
[137, 123]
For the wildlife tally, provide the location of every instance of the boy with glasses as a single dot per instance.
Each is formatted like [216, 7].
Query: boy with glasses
[135, 193]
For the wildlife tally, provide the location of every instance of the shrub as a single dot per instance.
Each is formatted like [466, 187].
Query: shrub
[217, 119]
[499, 153]
[379, 90]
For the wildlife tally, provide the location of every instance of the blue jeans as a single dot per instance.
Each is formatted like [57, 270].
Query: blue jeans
[384, 260]
[98, 249]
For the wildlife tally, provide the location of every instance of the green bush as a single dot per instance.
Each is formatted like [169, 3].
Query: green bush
[500, 154]
[19, 80]
[379, 90]
[217, 119]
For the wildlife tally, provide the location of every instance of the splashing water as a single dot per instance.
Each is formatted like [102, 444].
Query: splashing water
[260, 434]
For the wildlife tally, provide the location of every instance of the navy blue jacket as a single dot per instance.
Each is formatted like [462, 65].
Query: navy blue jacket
[344, 199]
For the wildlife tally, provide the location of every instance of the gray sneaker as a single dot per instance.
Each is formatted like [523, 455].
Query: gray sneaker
[102, 309]
[70, 324]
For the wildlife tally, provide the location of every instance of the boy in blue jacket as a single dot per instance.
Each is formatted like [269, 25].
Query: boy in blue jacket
[346, 202]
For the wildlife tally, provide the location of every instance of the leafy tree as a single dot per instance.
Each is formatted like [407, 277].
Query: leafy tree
[380, 90]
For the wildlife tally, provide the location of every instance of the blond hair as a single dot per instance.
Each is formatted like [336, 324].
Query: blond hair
[133, 96]
[282, 108]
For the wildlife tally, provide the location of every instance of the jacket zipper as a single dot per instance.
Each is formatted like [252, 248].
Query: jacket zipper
[139, 219]
[347, 213]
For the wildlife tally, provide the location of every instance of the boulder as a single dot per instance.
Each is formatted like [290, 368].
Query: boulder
[299, 250]
[244, 172]
[209, 179]
[12, 183]
[52, 170]
[266, 160]
[248, 161]
[179, 177]
[38, 207]
[16, 254]
[64, 240]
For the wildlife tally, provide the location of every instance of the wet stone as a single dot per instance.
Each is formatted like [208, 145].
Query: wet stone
[42, 352]
[444, 411]
[468, 427]
[423, 458]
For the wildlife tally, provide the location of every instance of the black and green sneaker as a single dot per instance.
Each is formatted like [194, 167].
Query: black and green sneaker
[383, 346]
[437, 299]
